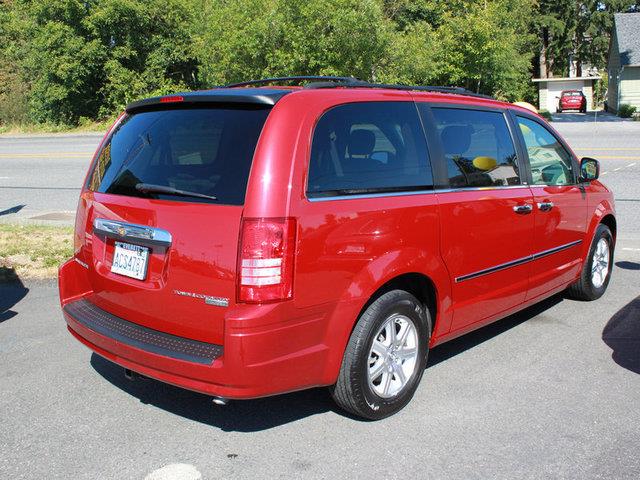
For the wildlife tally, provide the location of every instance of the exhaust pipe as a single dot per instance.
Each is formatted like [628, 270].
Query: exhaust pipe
[221, 401]
[129, 374]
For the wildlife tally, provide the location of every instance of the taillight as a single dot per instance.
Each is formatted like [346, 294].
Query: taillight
[172, 99]
[265, 259]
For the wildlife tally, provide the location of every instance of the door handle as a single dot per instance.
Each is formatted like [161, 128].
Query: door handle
[523, 209]
[545, 206]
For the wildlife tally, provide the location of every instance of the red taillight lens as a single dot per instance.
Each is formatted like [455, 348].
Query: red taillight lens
[171, 99]
[265, 259]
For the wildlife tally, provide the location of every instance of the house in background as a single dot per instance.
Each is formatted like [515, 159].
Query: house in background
[624, 62]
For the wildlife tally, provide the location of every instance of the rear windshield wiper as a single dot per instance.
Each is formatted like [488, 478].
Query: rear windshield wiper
[151, 188]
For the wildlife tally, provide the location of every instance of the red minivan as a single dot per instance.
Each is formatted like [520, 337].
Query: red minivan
[253, 240]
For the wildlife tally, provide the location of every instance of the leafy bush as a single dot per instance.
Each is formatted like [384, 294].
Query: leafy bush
[546, 115]
[626, 111]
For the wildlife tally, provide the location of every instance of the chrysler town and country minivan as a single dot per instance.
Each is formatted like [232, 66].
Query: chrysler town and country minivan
[252, 240]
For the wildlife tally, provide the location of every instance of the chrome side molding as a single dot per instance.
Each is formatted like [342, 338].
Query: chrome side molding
[139, 234]
[519, 261]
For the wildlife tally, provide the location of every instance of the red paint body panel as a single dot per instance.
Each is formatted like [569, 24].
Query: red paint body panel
[480, 230]
[345, 250]
[565, 223]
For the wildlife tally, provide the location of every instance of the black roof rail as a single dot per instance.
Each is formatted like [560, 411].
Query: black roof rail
[301, 78]
[320, 81]
[355, 83]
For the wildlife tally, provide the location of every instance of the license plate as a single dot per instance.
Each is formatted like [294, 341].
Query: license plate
[130, 260]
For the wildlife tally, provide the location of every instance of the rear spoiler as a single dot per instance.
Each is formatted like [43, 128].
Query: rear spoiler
[246, 96]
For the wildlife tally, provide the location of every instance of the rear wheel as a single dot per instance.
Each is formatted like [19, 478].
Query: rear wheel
[385, 357]
[596, 271]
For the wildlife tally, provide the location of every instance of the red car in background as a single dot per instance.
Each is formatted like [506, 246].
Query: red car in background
[572, 100]
[252, 240]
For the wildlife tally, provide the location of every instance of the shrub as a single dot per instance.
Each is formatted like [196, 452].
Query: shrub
[546, 115]
[626, 111]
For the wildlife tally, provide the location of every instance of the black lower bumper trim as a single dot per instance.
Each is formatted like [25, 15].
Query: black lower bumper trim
[128, 333]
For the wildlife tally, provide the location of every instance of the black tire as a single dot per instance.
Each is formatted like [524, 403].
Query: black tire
[353, 391]
[559, 110]
[584, 289]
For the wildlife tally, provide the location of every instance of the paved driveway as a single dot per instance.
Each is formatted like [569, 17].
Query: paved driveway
[589, 117]
[552, 392]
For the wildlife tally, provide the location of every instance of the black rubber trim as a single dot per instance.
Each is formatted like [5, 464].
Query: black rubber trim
[160, 343]
[515, 263]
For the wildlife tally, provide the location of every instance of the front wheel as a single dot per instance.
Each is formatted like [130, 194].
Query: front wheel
[385, 357]
[596, 271]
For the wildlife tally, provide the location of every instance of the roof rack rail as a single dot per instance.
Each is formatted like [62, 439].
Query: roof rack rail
[320, 81]
[355, 83]
[302, 78]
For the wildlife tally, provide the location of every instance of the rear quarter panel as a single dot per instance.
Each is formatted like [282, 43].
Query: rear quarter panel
[348, 248]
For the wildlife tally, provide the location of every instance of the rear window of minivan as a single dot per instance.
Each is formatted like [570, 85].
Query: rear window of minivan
[204, 151]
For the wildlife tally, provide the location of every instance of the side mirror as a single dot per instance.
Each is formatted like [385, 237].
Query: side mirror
[589, 169]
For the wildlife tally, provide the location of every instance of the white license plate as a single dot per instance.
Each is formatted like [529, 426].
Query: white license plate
[130, 260]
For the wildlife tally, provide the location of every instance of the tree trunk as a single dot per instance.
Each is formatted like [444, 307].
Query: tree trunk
[543, 54]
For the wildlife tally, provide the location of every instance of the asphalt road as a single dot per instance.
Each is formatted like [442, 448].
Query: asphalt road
[549, 393]
[552, 392]
[40, 176]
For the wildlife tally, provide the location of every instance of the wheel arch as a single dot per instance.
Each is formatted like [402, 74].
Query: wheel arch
[430, 290]
[601, 213]
[417, 284]
[610, 221]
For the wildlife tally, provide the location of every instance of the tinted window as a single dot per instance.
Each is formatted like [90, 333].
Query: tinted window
[478, 149]
[550, 163]
[206, 151]
[368, 147]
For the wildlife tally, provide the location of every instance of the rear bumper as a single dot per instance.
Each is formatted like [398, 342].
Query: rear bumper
[268, 349]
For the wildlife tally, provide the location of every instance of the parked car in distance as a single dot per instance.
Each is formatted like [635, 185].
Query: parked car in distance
[253, 240]
[572, 100]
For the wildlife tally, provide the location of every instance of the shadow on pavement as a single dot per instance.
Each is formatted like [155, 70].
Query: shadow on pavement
[15, 209]
[12, 290]
[266, 413]
[454, 347]
[628, 265]
[237, 416]
[622, 335]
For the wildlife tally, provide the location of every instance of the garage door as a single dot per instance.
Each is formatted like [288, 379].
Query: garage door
[555, 88]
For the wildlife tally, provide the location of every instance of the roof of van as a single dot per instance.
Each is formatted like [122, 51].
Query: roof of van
[270, 95]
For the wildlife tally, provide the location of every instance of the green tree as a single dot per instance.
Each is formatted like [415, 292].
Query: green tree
[288, 37]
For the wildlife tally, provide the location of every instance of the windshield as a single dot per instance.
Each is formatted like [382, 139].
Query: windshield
[205, 151]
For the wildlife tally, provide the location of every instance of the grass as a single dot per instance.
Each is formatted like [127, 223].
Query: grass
[33, 251]
[26, 128]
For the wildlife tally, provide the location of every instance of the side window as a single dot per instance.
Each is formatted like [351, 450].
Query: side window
[478, 149]
[550, 162]
[368, 147]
